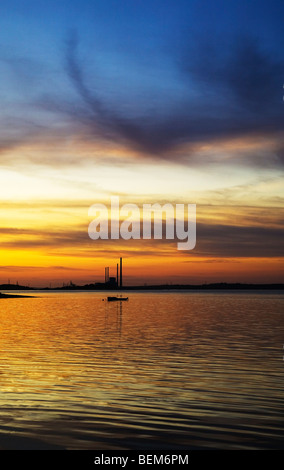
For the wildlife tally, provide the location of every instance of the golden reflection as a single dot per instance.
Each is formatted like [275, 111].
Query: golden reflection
[80, 368]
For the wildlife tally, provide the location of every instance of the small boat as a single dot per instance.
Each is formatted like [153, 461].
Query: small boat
[113, 299]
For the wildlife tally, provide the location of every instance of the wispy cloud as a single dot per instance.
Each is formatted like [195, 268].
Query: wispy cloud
[239, 92]
[229, 91]
[213, 240]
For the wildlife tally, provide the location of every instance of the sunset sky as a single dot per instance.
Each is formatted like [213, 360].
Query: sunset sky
[177, 101]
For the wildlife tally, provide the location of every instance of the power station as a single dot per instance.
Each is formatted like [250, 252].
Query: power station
[112, 281]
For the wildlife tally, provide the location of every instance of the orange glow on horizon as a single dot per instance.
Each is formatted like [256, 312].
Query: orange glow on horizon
[50, 184]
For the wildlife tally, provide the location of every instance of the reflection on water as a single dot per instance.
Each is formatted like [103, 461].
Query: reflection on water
[161, 371]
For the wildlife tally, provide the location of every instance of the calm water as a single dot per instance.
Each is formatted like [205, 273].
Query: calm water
[162, 371]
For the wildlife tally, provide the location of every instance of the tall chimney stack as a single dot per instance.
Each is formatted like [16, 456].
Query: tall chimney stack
[120, 272]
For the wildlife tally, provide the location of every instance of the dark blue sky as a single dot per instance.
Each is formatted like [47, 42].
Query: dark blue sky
[151, 74]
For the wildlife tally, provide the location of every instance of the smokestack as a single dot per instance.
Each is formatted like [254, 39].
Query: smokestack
[120, 272]
[117, 275]
[106, 275]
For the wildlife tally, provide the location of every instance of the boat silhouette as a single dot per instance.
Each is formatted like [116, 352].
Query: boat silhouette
[113, 299]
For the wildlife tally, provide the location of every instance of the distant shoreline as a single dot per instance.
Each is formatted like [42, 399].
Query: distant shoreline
[99, 287]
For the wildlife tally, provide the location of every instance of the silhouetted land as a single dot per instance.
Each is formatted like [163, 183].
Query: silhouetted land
[12, 296]
[15, 287]
[111, 287]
